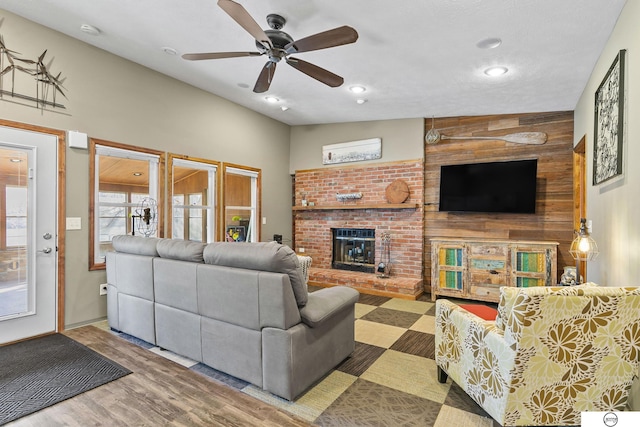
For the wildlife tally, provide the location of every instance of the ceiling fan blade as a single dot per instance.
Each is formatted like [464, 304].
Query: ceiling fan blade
[320, 74]
[265, 78]
[217, 55]
[534, 138]
[242, 17]
[336, 37]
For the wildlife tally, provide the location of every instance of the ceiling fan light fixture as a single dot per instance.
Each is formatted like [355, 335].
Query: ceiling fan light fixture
[358, 89]
[496, 71]
[271, 99]
[489, 43]
[89, 29]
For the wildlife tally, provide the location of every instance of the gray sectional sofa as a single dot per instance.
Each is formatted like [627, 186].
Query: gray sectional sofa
[241, 308]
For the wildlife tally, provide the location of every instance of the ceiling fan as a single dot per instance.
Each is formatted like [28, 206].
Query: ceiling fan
[278, 45]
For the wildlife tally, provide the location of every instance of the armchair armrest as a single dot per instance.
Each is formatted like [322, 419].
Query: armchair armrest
[473, 352]
[324, 303]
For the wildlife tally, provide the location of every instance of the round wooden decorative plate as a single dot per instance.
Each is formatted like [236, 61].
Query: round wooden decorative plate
[397, 191]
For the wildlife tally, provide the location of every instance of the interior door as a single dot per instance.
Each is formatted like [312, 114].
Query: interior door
[28, 239]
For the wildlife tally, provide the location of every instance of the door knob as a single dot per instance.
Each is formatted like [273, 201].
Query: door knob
[46, 250]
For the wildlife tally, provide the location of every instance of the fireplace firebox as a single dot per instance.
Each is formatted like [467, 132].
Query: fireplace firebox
[354, 249]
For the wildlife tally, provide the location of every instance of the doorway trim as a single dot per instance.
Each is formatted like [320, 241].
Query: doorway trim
[62, 144]
[580, 190]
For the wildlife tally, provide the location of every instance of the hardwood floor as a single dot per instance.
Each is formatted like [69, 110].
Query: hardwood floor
[157, 393]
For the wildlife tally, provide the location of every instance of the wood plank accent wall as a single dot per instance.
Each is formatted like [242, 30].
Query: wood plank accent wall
[553, 219]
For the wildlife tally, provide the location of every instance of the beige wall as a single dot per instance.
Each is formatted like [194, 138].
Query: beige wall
[613, 206]
[401, 140]
[113, 99]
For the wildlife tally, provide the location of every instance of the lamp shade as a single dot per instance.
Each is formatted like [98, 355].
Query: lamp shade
[583, 247]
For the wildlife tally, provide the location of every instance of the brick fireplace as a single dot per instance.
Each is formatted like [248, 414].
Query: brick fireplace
[315, 225]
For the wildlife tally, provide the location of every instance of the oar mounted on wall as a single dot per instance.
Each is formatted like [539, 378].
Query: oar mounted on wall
[533, 138]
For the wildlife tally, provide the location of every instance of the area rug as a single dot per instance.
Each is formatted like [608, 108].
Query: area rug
[41, 372]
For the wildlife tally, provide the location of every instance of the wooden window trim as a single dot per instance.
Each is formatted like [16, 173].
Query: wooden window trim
[92, 161]
[217, 201]
[225, 166]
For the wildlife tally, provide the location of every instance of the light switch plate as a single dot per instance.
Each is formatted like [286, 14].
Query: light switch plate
[74, 223]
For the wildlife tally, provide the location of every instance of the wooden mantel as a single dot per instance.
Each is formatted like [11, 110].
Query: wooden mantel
[361, 206]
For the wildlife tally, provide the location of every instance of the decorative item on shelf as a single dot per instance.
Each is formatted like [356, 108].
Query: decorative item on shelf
[348, 196]
[384, 268]
[397, 192]
[583, 248]
[304, 199]
[568, 277]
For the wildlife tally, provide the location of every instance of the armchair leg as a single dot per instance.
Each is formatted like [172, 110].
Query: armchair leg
[442, 376]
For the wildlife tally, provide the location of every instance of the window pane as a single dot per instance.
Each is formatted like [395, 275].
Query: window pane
[137, 198]
[195, 225]
[177, 228]
[16, 218]
[110, 197]
[110, 227]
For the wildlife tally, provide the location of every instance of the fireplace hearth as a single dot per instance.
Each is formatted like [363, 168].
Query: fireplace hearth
[354, 249]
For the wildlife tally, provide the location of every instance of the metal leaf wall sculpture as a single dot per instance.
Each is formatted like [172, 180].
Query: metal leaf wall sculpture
[47, 84]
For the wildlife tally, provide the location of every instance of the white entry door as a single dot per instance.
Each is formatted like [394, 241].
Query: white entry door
[28, 234]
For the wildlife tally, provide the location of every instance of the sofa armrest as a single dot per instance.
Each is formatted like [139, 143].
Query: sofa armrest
[324, 303]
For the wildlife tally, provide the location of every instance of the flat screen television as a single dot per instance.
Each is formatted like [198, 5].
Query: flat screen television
[508, 187]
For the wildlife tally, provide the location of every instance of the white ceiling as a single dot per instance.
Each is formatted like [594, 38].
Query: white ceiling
[417, 58]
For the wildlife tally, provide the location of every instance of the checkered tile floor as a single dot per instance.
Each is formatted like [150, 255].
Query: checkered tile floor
[389, 380]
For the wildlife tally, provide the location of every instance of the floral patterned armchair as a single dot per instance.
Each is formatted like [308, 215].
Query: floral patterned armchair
[551, 353]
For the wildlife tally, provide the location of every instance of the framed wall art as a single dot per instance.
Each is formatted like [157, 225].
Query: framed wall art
[609, 123]
[354, 151]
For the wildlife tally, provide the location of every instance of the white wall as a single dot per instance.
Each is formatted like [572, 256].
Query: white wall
[114, 99]
[613, 206]
[401, 140]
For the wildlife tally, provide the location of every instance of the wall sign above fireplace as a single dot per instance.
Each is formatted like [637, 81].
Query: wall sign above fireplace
[354, 151]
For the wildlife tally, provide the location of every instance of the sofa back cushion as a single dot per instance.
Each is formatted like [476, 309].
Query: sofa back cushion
[135, 245]
[267, 256]
[183, 250]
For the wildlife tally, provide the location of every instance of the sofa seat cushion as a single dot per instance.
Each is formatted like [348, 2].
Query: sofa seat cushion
[482, 311]
[135, 245]
[266, 256]
[183, 250]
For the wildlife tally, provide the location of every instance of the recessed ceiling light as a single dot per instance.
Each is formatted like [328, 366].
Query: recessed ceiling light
[284, 108]
[357, 89]
[496, 71]
[14, 160]
[243, 85]
[361, 101]
[490, 43]
[89, 29]
[169, 50]
[137, 174]
[271, 99]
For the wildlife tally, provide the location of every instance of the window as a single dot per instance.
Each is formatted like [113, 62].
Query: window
[241, 203]
[193, 198]
[16, 215]
[126, 195]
